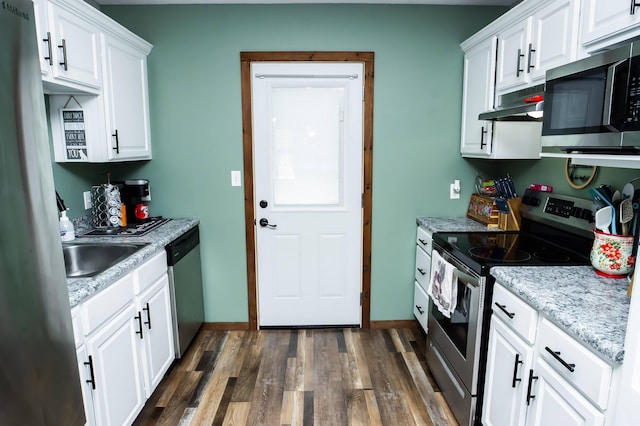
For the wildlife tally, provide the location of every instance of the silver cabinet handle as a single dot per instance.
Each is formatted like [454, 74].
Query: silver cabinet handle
[422, 272]
[520, 57]
[63, 46]
[419, 308]
[634, 4]
[531, 50]
[48, 41]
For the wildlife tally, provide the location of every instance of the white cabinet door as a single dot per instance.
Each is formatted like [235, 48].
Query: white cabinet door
[43, 34]
[508, 363]
[555, 402]
[555, 39]
[157, 338]
[76, 48]
[477, 97]
[511, 67]
[127, 101]
[119, 392]
[85, 366]
[606, 18]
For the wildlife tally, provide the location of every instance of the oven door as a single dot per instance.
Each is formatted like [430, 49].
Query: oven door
[457, 339]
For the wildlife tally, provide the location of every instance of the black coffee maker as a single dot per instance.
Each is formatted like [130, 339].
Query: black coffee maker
[135, 196]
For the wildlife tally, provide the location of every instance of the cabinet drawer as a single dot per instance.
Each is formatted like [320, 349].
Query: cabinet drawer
[591, 375]
[423, 267]
[107, 303]
[420, 305]
[424, 240]
[149, 272]
[521, 317]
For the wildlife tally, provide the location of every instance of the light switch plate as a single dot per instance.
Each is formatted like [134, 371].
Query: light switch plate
[454, 191]
[87, 200]
[236, 179]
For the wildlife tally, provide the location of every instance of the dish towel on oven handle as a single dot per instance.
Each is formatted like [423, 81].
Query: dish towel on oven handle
[443, 286]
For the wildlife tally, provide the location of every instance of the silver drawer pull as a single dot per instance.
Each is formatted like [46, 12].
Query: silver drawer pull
[422, 272]
[419, 308]
[423, 242]
[556, 355]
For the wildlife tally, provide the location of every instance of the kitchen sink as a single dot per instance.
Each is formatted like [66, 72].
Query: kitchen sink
[89, 259]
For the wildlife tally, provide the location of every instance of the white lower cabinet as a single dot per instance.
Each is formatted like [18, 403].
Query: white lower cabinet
[119, 393]
[553, 401]
[539, 375]
[157, 338]
[509, 361]
[126, 345]
[424, 242]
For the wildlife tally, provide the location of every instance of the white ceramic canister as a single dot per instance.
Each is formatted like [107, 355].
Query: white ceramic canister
[611, 255]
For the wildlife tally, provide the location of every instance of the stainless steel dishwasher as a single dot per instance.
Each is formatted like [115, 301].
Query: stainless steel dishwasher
[185, 279]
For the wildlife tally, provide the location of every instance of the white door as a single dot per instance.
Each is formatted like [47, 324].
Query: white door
[308, 145]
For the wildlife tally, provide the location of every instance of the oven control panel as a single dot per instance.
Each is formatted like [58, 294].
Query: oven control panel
[558, 209]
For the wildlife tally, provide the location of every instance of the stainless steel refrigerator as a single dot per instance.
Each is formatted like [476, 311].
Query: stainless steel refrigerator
[39, 380]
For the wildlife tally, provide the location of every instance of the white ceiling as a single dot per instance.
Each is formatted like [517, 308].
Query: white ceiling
[445, 2]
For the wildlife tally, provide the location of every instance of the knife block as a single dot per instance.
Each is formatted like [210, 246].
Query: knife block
[511, 221]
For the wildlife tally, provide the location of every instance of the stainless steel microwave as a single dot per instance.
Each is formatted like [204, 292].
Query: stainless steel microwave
[593, 105]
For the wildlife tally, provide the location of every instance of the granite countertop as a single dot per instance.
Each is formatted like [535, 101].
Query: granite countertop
[81, 289]
[593, 309]
[452, 224]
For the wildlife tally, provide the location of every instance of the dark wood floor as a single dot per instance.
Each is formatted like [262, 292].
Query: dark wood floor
[327, 377]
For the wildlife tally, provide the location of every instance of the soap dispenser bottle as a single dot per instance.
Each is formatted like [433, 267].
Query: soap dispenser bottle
[67, 231]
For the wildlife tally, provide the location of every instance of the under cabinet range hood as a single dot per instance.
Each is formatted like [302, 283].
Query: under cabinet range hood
[522, 105]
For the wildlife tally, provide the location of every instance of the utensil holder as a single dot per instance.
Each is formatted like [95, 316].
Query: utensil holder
[612, 255]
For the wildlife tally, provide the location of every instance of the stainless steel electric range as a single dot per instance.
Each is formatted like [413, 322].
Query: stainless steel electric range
[555, 230]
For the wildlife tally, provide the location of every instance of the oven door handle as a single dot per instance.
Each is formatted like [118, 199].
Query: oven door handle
[467, 279]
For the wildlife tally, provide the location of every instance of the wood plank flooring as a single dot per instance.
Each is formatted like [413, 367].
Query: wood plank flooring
[330, 377]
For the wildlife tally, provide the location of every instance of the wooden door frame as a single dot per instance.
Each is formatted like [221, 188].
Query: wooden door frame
[367, 59]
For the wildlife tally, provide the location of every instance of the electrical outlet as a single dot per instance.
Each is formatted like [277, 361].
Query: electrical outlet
[87, 200]
[236, 179]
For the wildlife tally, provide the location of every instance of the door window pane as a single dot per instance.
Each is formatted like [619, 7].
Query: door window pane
[307, 150]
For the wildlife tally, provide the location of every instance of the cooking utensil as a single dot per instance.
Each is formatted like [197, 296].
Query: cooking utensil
[606, 191]
[603, 219]
[599, 194]
[626, 214]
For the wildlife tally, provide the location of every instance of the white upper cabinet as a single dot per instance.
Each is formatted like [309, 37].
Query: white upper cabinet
[612, 21]
[107, 120]
[555, 37]
[477, 97]
[69, 48]
[126, 100]
[512, 68]
[533, 44]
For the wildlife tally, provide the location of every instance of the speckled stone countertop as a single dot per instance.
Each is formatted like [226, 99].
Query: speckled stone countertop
[591, 308]
[81, 289]
[452, 224]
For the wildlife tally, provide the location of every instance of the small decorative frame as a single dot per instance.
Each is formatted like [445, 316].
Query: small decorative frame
[579, 176]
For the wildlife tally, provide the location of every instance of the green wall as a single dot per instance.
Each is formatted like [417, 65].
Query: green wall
[194, 89]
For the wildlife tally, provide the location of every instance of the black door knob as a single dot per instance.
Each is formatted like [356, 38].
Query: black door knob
[265, 223]
[263, 204]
